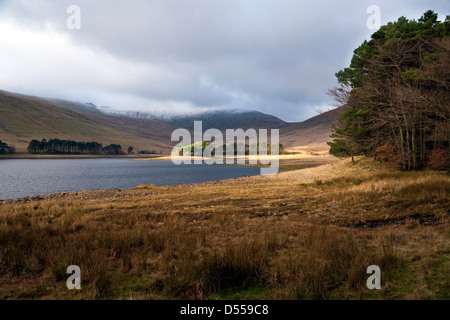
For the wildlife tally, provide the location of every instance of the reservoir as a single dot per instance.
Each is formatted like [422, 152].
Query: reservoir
[32, 177]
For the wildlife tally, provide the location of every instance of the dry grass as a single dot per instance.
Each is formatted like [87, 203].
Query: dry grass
[307, 234]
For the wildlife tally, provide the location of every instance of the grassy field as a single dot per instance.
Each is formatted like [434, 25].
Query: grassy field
[304, 234]
[286, 162]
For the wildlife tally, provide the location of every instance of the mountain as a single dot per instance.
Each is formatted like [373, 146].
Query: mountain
[223, 120]
[310, 135]
[23, 118]
[66, 104]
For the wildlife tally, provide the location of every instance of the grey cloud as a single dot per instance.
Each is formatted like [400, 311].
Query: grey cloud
[277, 56]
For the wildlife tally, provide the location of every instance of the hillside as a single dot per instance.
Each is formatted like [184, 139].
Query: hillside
[223, 120]
[25, 118]
[310, 135]
[307, 136]
[65, 104]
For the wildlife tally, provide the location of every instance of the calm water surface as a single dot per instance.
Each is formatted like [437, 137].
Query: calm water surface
[22, 178]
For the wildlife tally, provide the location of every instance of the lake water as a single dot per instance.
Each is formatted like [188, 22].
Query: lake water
[22, 178]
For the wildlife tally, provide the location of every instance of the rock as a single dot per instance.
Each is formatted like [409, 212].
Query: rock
[332, 205]
[291, 204]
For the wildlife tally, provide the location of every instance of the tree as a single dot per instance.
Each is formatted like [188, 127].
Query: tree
[130, 149]
[5, 148]
[113, 149]
[399, 93]
[33, 146]
[57, 146]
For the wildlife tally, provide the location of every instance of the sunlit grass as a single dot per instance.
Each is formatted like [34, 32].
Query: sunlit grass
[306, 234]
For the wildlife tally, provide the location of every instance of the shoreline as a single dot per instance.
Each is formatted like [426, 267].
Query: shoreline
[329, 214]
[286, 165]
[27, 156]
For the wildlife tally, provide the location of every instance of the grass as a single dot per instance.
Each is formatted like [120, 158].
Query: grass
[308, 234]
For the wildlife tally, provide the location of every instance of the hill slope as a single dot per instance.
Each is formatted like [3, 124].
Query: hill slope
[223, 120]
[65, 104]
[310, 135]
[24, 118]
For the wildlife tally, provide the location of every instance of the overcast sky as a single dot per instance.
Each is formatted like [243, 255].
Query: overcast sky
[275, 56]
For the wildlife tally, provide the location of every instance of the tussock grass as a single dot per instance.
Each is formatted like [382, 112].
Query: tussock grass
[279, 237]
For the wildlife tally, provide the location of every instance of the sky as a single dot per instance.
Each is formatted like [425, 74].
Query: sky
[185, 56]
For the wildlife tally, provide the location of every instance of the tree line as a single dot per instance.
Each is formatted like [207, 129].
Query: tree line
[395, 95]
[5, 148]
[57, 146]
[239, 148]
